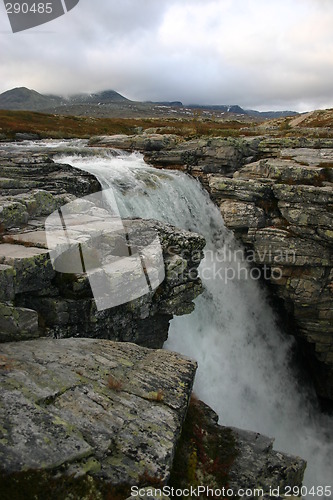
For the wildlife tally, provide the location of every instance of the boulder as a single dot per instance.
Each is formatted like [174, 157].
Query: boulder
[17, 323]
[99, 417]
[33, 269]
[77, 406]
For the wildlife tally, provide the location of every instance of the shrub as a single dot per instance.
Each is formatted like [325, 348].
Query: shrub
[114, 384]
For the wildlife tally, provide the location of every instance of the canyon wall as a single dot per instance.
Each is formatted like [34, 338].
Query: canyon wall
[89, 415]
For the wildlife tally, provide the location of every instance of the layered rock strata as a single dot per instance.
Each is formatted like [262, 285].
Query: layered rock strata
[282, 210]
[77, 414]
[36, 301]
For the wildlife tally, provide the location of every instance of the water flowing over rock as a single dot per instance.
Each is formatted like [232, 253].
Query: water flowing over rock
[276, 195]
[92, 407]
[232, 332]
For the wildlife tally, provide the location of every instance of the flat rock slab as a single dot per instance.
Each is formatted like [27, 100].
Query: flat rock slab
[83, 405]
[9, 253]
[28, 239]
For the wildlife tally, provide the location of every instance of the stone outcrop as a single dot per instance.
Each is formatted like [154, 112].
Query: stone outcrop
[196, 156]
[256, 465]
[113, 412]
[210, 155]
[62, 305]
[276, 195]
[232, 462]
[77, 406]
[33, 185]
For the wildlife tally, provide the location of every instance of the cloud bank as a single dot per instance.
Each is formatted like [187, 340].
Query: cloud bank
[258, 54]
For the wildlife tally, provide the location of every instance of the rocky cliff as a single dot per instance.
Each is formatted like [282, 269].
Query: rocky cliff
[88, 417]
[281, 209]
[276, 195]
[36, 301]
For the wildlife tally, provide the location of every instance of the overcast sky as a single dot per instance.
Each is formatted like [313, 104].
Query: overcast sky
[261, 54]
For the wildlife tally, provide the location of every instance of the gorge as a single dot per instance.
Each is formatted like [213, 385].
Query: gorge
[232, 332]
[245, 370]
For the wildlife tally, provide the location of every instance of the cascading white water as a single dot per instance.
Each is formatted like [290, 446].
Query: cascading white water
[244, 359]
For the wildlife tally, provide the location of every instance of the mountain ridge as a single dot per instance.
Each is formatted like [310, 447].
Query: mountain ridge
[22, 98]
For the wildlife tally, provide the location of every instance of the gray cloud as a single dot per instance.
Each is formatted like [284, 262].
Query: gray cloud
[260, 54]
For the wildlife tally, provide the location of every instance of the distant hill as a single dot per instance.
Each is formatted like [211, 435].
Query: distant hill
[271, 114]
[222, 108]
[165, 103]
[22, 98]
[25, 99]
[234, 108]
[321, 118]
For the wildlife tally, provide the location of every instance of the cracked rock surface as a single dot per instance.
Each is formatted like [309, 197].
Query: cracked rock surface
[79, 406]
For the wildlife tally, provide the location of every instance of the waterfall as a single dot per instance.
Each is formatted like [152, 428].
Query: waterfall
[245, 372]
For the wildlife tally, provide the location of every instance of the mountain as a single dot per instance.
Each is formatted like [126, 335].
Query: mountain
[22, 98]
[234, 108]
[109, 103]
[165, 103]
[104, 97]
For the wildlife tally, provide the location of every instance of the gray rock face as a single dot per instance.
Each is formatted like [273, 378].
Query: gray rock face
[144, 142]
[232, 462]
[17, 322]
[31, 265]
[7, 274]
[259, 467]
[114, 412]
[32, 185]
[282, 210]
[198, 156]
[110, 409]
[65, 304]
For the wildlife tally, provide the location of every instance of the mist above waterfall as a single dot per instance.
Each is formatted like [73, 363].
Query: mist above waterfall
[245, 372]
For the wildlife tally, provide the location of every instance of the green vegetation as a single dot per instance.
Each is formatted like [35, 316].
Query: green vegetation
[57, 126]
[205, 452]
